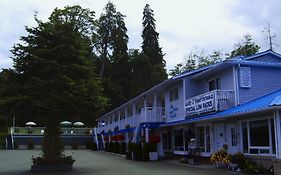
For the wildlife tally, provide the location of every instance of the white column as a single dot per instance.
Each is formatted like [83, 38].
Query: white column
[134, 116]
[126, 114]
[155, 100]
[156, 113]
[144, 102]
[145, 109]
[134, 109]
[146, 135]
[118, 117]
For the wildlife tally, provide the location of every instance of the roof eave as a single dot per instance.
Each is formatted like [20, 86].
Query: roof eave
[271, 108]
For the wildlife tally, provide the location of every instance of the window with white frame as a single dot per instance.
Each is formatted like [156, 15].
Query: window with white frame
[203, 138]
[214, 84]
[233, 136]
[258, 136]
[179, 145]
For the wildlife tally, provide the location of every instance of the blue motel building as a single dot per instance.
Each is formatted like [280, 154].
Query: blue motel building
[234, 104]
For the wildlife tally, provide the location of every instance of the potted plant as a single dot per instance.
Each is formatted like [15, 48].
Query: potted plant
[153, 141]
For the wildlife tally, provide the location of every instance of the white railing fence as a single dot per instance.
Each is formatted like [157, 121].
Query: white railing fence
[148, 114]
[216, 100]
[40, 131]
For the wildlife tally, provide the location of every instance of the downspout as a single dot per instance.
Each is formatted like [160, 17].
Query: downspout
[237, 94]
[183, 94]
[277, 133]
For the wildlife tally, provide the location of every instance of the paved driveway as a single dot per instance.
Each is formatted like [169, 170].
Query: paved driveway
[17, 162]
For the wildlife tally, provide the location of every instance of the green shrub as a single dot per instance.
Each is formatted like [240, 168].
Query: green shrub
[74, 146]
[239, 159]
[94, 146]
[116, 147]
[130, 146]
[137, 151]
[110, 146]
[63, 160]
[129, 155]
[30, 145]
[122, 148]
[145, 152]
[130, 150]
[3, 140]
[106, 146]
[91, 145]
[254, 168]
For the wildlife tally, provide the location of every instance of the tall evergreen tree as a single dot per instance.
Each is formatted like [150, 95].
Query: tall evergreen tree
[104, 44]
[58, 79]
[142, 72]
[151, 48]
[115, 69]
[121, 66]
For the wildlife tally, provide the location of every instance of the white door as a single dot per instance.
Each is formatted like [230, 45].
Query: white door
[232, 139]
[219, 136]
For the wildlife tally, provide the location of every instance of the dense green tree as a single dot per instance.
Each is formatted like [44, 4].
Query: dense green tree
[9, 88]
[246, 47]
[201, 58]
[115, 68]
[57, 76]
[188, 66]
[178, 69]
[151, 49]
[205, 60]
[142, 72]
[104, 44]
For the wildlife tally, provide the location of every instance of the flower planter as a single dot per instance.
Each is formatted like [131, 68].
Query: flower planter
[153, 156]
[51, 168]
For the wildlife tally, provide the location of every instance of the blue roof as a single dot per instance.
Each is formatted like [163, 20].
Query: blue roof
[264, 102]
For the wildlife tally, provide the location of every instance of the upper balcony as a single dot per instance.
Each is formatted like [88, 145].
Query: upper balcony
[146, 115]
[213, 101]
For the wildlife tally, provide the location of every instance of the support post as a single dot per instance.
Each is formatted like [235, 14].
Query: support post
[147, 135]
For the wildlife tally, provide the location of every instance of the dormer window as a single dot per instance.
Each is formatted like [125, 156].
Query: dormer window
[214, 84]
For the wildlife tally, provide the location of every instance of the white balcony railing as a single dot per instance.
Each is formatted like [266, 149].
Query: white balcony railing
[148, 114]
[216, 100]
[152, 114]
[41, 131]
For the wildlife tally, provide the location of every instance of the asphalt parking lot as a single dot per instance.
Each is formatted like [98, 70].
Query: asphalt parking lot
[18, 162]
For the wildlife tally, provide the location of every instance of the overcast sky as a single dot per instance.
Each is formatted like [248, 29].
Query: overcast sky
[184, 25]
